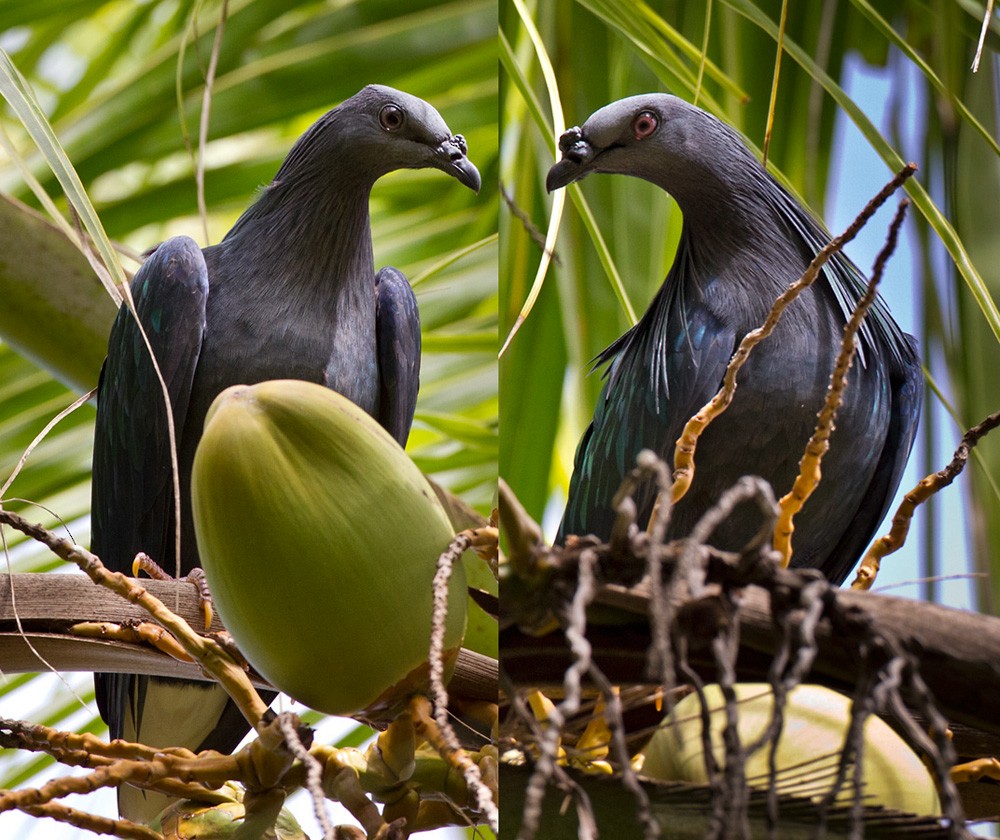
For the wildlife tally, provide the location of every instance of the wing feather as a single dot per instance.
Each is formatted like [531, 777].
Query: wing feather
[397, 337]
[132, 492]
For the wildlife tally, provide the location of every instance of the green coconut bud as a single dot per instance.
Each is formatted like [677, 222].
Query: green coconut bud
[816, 720]
[193, 820]
[320, 537]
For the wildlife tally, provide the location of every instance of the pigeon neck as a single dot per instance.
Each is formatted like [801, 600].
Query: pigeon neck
[716, 229]
[740, 260]
[306, 248]
[317, 229]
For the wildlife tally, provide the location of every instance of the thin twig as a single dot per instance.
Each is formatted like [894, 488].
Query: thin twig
[928, 486]
[561, 779]
[660, 657]
[934, 741]
[439, 617]
[314, 772]
[619, 751]
[481, 794]
[548, 745]
[810, 472]
[529, 226]
[206, 108]
[987, 17]
[92, 823]
[734, 792]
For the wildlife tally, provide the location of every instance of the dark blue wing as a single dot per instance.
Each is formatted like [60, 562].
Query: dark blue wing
[661, 372]
[397, 337]
[132, 493]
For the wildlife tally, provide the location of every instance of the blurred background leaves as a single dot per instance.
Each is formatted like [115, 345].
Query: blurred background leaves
[121, 81]
[721, 54]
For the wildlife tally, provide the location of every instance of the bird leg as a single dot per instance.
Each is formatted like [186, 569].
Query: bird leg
[196, 577]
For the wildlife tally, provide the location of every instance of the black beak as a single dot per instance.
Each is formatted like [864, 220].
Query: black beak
[577, 153]
[452, 159]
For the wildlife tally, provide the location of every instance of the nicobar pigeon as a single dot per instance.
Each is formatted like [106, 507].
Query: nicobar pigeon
[291, 292]
[744, 239]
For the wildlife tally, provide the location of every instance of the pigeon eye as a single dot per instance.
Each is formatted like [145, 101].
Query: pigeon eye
[390, 117]
[645, 124]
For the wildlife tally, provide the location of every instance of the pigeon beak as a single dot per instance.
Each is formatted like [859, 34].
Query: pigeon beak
[452, 159]
[466, 172]
[563, 174]
[577, 157]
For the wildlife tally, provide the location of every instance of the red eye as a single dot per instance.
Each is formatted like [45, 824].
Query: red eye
[645, 124]
[391, 117]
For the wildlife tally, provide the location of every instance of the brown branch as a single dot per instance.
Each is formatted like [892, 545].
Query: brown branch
[266, 766]
[46, 604]
[959, 649]
[146, 632]
[78, 748]
[121, 759]
[50, 603]
[742, 617]
[108, 775]
[92, 823]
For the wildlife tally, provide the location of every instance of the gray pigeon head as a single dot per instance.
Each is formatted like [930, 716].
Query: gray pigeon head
[653, 136]
[379, 130]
